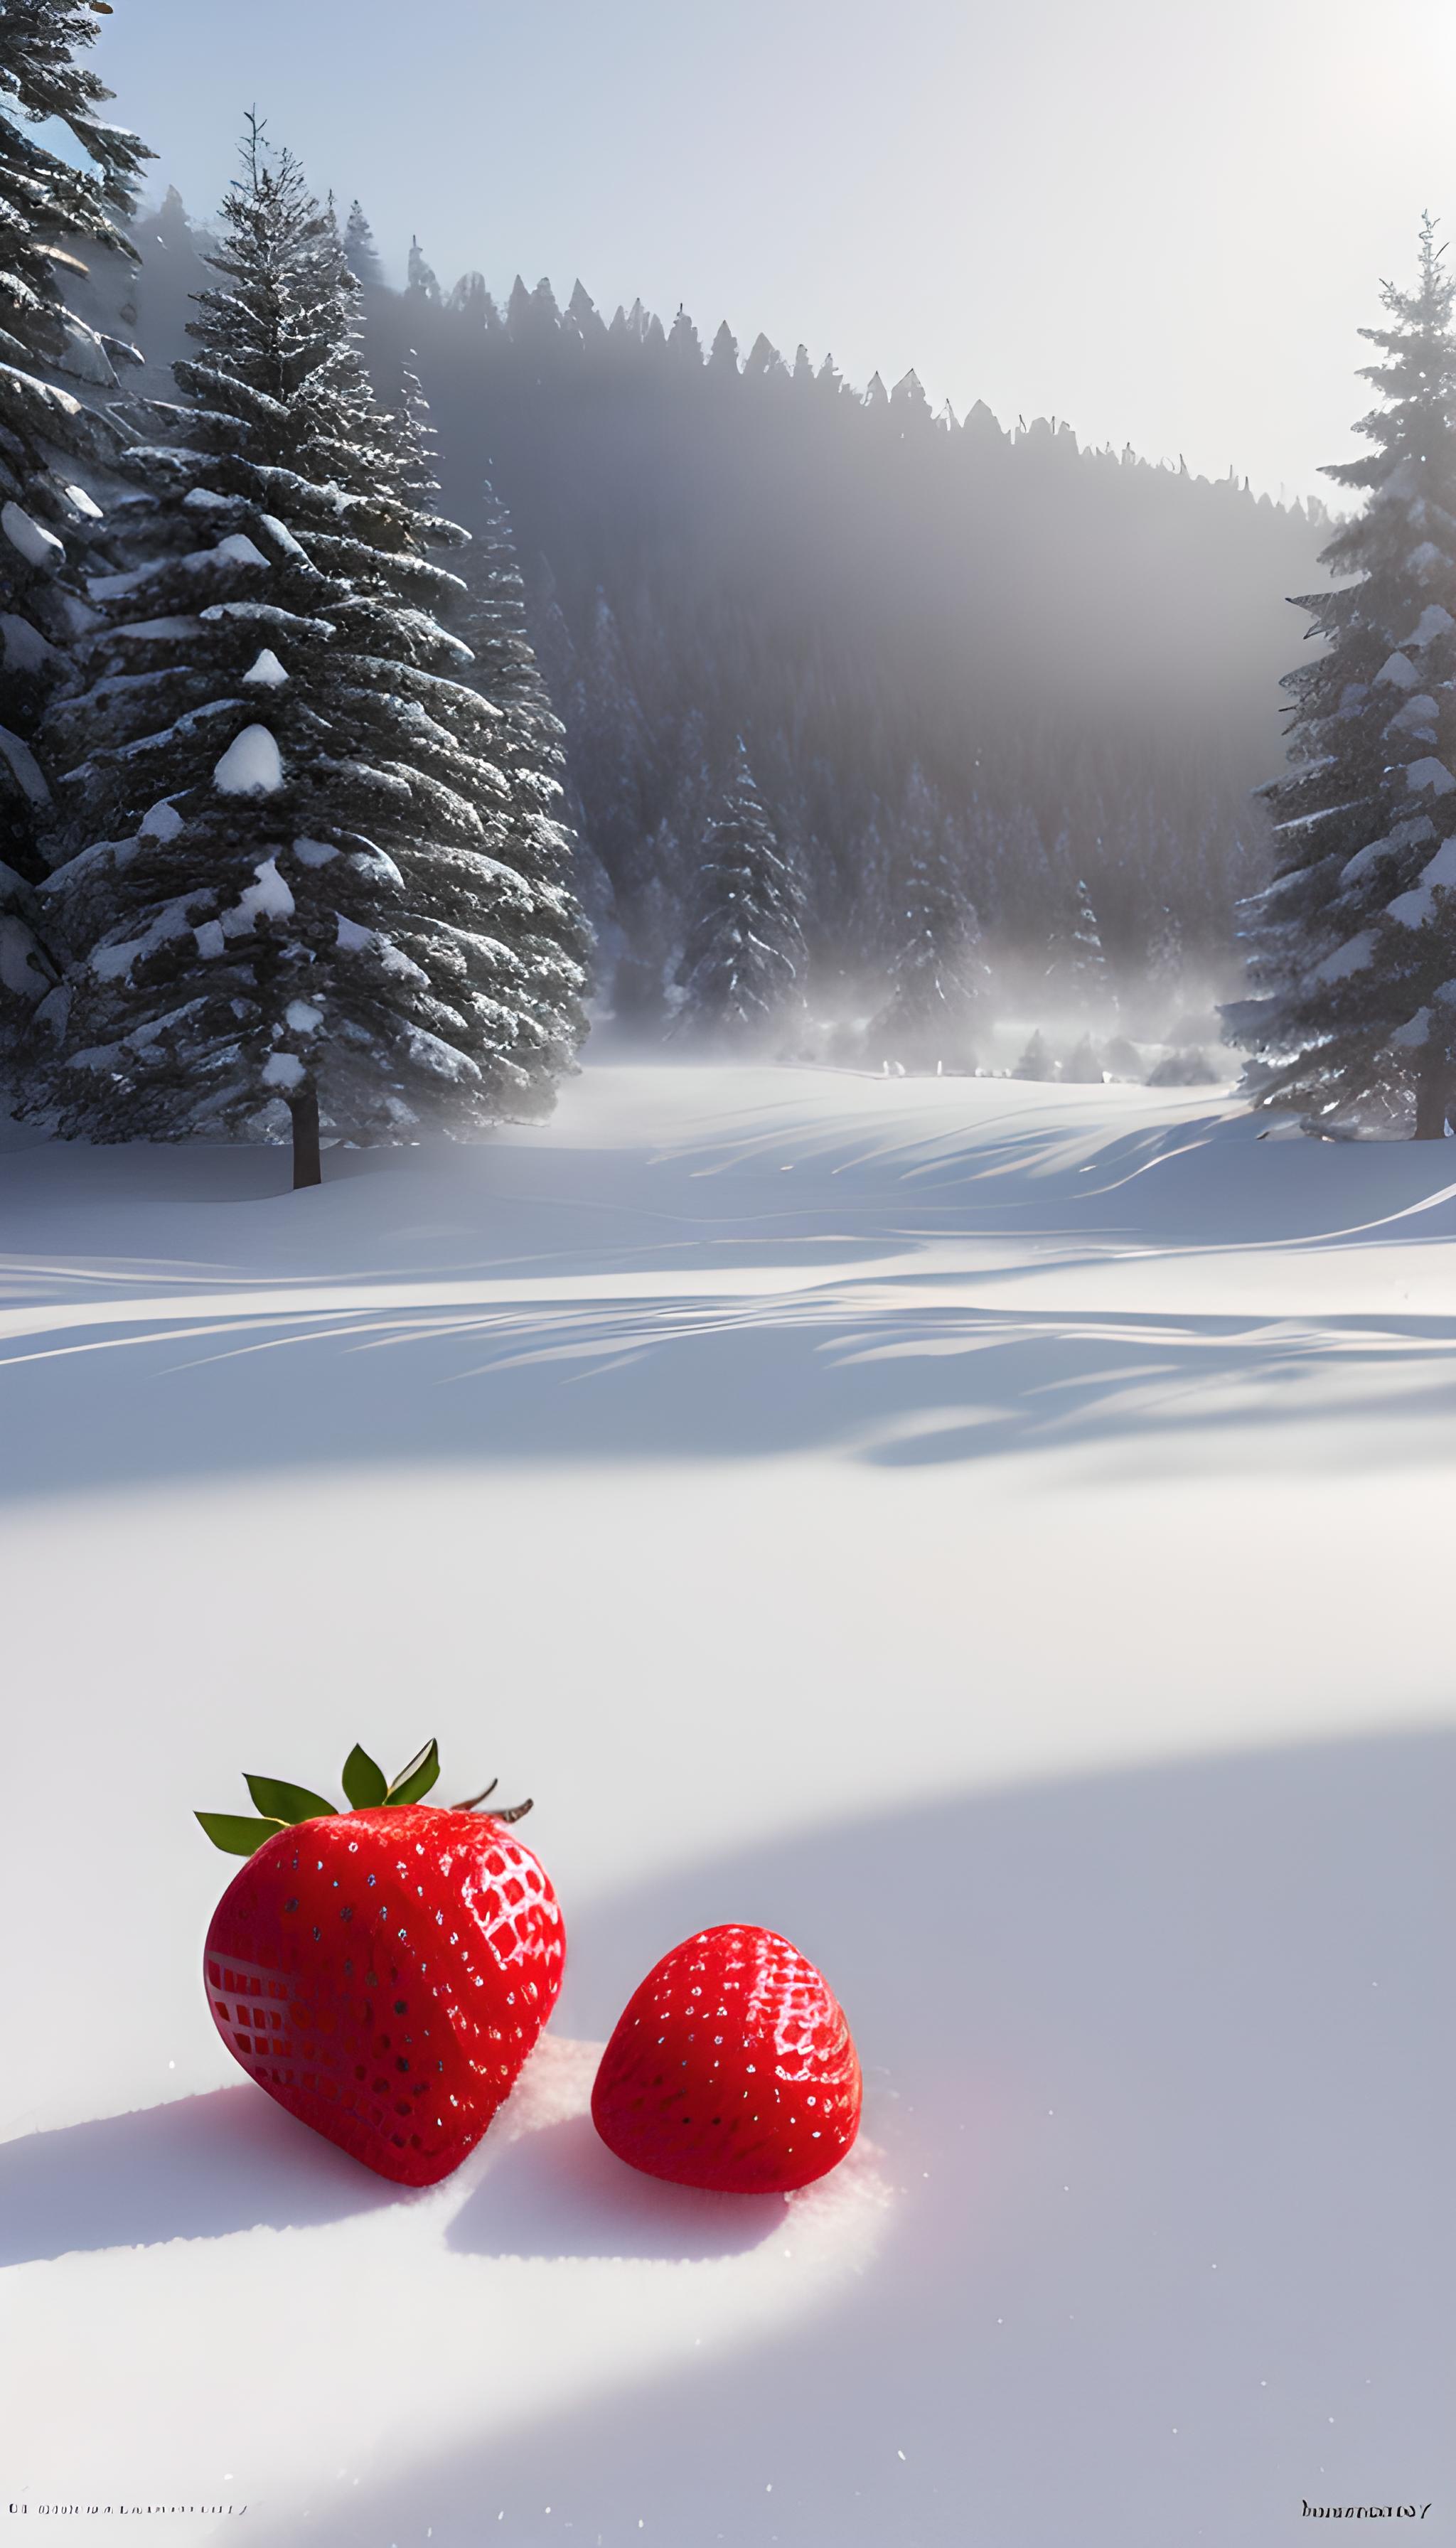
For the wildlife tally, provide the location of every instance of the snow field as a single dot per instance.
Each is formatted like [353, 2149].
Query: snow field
[995, 1534]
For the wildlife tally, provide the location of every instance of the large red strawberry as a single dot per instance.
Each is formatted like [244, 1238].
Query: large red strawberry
[730, 2067]
[383, 1972]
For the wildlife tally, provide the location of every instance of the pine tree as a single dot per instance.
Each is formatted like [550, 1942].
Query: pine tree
[581, 309]
[1353, 947]
[1077, 976]
[361, 256]
[423, 281]
[743, 964]
[684, 343]
[1035, 1062]
[287, 889]
[937, 975]
[528, 746]
[60, 456]
[611, 752]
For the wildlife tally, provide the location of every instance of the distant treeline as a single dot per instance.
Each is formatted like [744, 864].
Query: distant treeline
[1058, 666]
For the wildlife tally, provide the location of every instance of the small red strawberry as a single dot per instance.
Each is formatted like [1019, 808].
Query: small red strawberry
[731, 2068]
[383, 1972]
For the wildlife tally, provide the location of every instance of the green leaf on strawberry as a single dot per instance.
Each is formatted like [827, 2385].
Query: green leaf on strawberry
[238, 1834]
[364, 1782]
[283, 1802]
[416, 1778]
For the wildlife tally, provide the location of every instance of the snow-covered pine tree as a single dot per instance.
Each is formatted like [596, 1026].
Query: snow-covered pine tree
[284, 882]
[743, 965]
[938, 978]
[60, 454]
[361, 255]
[1353, 946]
[529, 747]
[423, 283]
[1085, 970]
[612, 755]
[1037, 1062]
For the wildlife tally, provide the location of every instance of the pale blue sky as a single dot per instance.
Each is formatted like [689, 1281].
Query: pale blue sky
[1161, 221]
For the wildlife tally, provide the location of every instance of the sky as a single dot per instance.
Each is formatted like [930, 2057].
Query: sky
[1163, 223]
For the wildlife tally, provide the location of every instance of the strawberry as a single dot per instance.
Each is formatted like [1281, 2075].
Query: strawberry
[383, 1972]
[731, 2068]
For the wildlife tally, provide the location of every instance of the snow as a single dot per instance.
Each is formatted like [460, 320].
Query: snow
[1417, 906]
[281, 1071]
[995, 1533]
[25, 768]
[1429, 773]
[1346, 960]
[1418, 716]
[113, 962]
[37, 547]
[20, 970]
[1400, 671]
[84, 355]
[23, 649]
[252, 766]
[1406, 835]
[1414, 1032]
[161, 822]
[280, 534]
[1434, 622]
[314, 854]
[1441, 869]
[175, 626]
[266, 898]
[266, 672]
[303, 1017]
[238, 547]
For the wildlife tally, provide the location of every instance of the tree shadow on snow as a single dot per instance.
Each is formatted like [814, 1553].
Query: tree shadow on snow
[246, 1366]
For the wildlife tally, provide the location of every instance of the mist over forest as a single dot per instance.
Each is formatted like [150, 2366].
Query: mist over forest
[969, 660]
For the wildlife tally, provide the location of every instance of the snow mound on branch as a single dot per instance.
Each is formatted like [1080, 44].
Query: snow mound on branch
[239, 548]
[269, 898]
[36, 546]
[1411, 908]
[161, 822]
[314, 854]
[252, 766]
[266, 672]
[1414, 1031]
[281, 1071]
[1402, 836]
[1400, 671]
[111, 964]
[357, 941]
[26, 767]
[1434, 622]
[1432, 773]
[23, 649]
[1355, 952]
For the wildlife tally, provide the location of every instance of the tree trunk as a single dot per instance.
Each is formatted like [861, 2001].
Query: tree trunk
[307, 1167]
